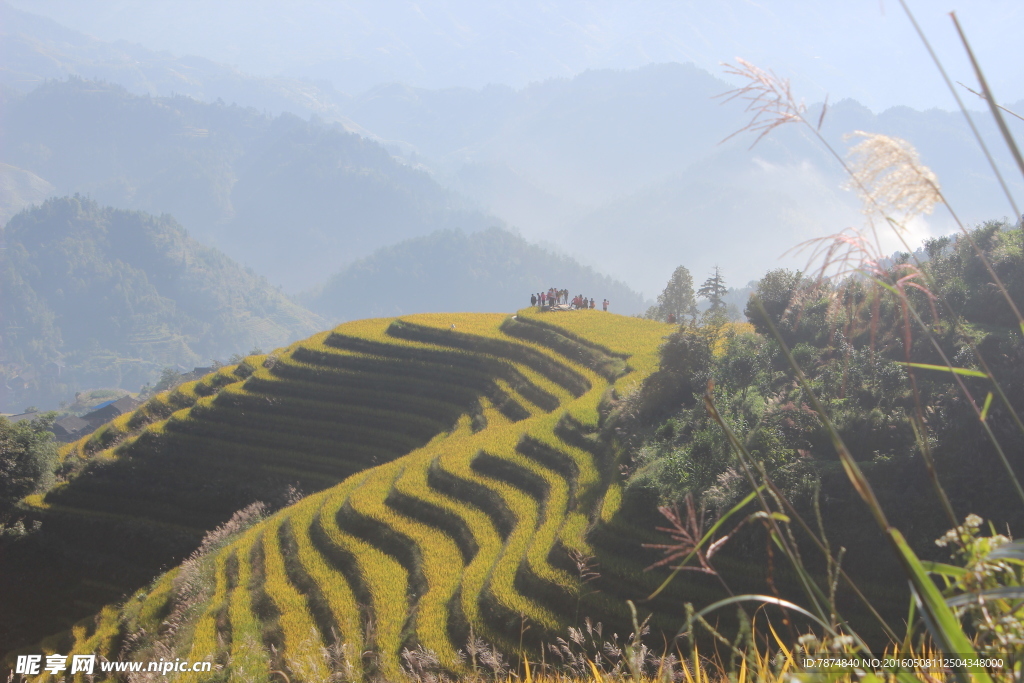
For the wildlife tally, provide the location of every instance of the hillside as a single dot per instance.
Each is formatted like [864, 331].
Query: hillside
[96, 296]
[492, 270]
[18, 189]
[35, 49]
[873, 374]
[461, 471]
[292, 199]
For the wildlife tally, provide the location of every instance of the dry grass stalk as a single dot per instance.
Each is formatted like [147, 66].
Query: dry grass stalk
[687, 532]
[768, 97]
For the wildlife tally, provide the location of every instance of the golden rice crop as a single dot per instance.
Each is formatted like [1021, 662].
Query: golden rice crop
[376, 330]
[482, 325]
[302, 641]
[204, 636]
[441, 565]
[525, 509]
[247, 656]
[315, 416]
[574, 533]
[413, 482]
[386, 580]
[491, 329]
[332, 584]
[611, 503]
[154, 600]
[494, 567]
[638, 338]
[242, 400]
[725, 334]
[103, 640]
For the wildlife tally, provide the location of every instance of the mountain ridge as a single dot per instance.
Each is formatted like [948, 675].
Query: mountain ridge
[107, 297]
[233, 176]
[491, 270]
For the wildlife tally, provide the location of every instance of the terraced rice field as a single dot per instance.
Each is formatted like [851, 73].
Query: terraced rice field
[474, 477]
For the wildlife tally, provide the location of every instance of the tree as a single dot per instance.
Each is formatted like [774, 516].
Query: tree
[714, 290]
[169, 378]
[682, 377]
[28, 458]
[678, 300]
[774, 292]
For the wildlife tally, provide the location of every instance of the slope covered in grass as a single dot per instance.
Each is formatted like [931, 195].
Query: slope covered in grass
[480, 528]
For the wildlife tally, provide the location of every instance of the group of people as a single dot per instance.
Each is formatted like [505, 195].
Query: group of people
[560, 297]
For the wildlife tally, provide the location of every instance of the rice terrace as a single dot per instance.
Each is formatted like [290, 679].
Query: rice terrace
[475, 467]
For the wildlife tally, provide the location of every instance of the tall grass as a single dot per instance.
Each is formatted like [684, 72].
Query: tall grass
[969, 608]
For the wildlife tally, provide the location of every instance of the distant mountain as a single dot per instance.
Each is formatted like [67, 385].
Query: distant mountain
[293, 199]
[18, 189]
[848, 49]
[597, 136]
[637, 158]
[451, 271]
[744, 209]
[96, 296]
[34, 49]
[737, 209]
[625, 157]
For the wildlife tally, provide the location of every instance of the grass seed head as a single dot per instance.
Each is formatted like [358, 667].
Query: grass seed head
[890, 178]
[769, 99]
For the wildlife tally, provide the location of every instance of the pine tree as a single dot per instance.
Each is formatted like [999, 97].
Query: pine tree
[714, 290]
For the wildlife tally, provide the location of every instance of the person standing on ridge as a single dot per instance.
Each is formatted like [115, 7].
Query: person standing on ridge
[604, 305]
[533, 299]
[592, 303]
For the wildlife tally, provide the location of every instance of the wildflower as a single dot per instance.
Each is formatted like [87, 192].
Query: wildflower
[842, 643]
[950, 536]
[808, 641]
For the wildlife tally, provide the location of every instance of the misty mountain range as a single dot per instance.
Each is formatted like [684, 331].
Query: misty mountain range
[573, 161]
[293, 199]
[624, 172]
[867, 51]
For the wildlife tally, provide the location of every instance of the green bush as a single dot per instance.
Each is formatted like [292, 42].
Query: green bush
[28, 460]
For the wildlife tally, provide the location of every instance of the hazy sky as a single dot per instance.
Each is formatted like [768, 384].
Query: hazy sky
[865, 49]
